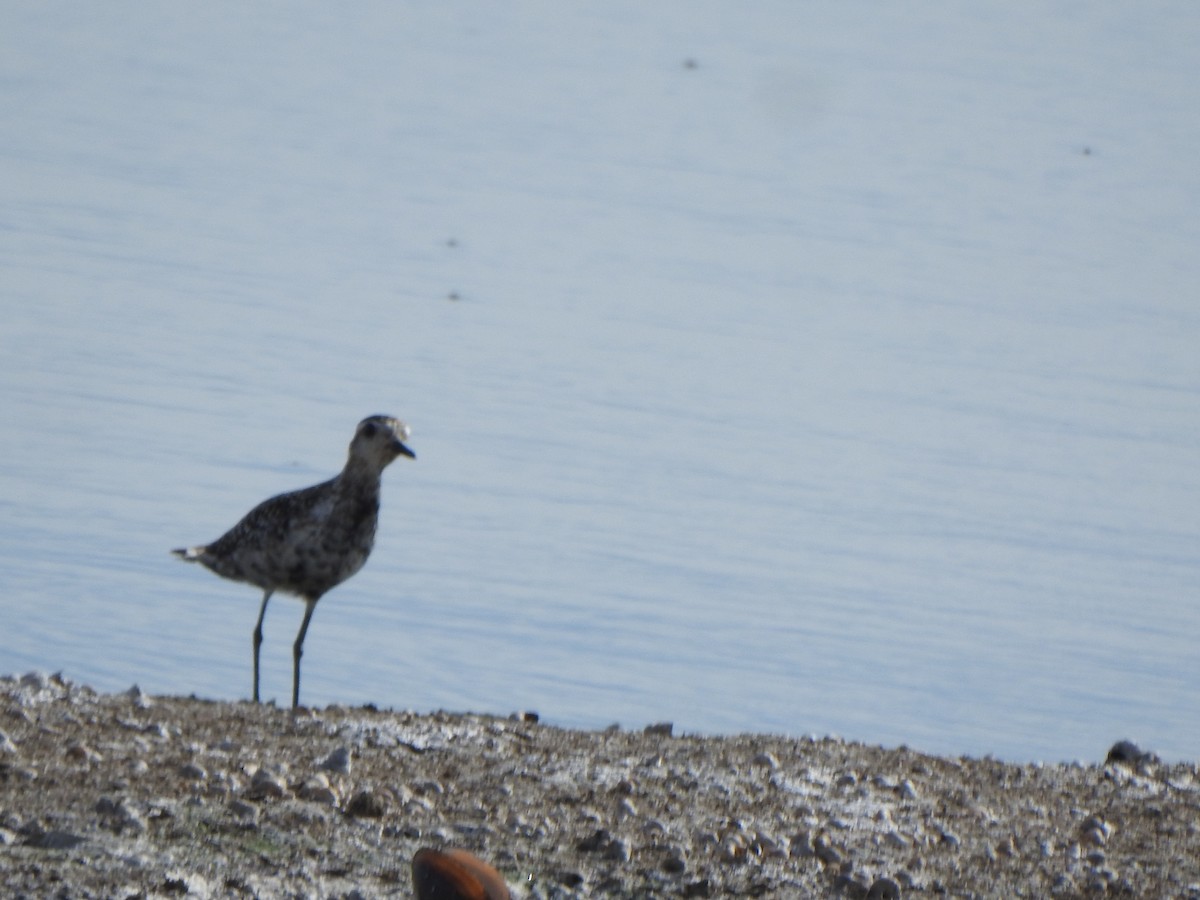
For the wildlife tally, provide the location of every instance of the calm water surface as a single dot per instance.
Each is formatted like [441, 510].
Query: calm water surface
[843, 380]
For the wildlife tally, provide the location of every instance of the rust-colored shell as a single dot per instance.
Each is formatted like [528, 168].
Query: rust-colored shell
[455, 875]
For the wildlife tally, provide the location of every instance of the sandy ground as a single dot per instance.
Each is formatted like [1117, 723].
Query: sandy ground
[132, 796]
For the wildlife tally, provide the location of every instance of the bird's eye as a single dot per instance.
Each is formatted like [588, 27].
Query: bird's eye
[369, 430]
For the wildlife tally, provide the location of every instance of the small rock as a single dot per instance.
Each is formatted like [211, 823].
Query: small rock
[595, 842]
[139, 698]
[675, 863]
[193, 772]
[767, 847]
[366, 805]
[266, 784]
[800, 844]
[55, 840]
[1125, 753]
[883, 889]
[1063, 884]
[896, 840]
[35, 680]
[654, 828]
[246, 812]
[118, 815]
[318, 790]
[733, 850]
[766, 759]
[83, 753]
[1095, 831]
[849, 884]
[6, 744]
[337, 761]
[825, 851]
[617, 850]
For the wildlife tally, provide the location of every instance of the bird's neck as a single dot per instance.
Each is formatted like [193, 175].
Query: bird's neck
[360, 477]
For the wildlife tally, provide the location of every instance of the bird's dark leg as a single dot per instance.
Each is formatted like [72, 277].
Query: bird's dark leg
[298, 649]
[262, 611]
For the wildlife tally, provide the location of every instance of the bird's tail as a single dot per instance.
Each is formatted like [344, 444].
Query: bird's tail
[189, 554]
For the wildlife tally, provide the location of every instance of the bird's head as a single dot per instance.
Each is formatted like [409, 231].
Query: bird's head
[380, 439]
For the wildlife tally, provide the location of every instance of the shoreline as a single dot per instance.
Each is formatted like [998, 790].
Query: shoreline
[130, 795]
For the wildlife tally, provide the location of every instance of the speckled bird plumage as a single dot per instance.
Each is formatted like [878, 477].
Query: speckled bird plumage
[308, 541]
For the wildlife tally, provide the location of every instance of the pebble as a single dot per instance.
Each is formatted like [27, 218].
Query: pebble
[428, 787]
[366, 805]
[883, 889]
[896, 840]
[675, 862]
[617, 850]
[246, 812]
[1095, 831]
[36, 680]
[732, 850]
[55, 840]
[157, 730]
[338, 761]
[825, 851]
[1007, 847]
[594, 842]
[318, 790]
[138, 697]
[765, 759]
[118, 815]
[265, 784]
[83, 753]
[1126, 753]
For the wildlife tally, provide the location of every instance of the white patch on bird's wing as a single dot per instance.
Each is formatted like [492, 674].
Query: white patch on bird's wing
[323, 508]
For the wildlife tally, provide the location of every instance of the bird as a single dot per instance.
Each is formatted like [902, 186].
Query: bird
[306, 542]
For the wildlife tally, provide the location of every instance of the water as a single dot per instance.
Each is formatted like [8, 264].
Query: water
[815, 369]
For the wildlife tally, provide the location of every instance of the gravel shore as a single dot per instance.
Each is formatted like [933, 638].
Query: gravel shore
[131, 796]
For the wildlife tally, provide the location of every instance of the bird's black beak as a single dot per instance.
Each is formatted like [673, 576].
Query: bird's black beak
[403, 450]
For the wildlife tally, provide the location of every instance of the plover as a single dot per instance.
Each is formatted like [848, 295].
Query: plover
[308, 541]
